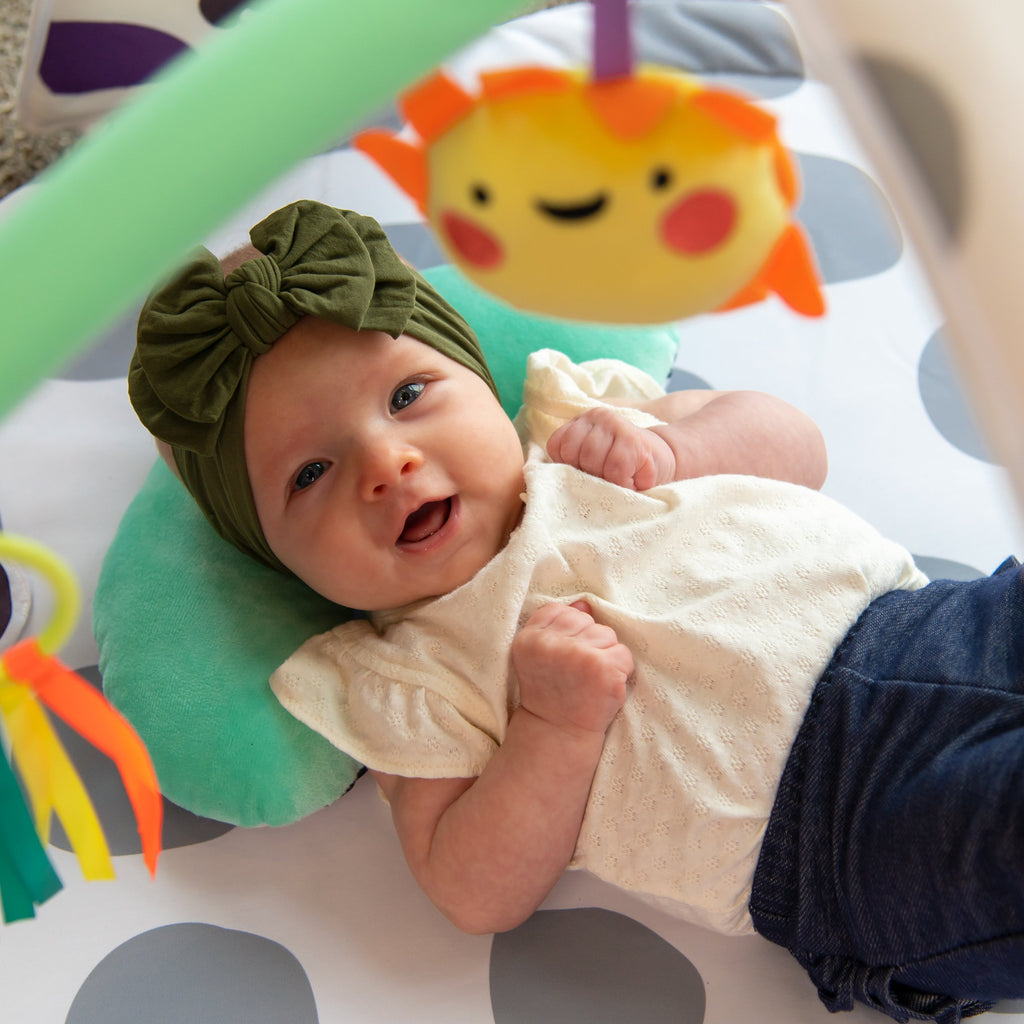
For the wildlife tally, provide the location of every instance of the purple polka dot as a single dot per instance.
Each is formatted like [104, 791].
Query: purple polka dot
[84, 56]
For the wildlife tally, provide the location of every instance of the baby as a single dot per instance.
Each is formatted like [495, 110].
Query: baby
[649, 648]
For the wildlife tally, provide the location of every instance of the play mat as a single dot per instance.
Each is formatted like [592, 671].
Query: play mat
[319, 920]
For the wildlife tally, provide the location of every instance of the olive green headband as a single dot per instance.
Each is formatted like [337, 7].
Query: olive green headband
[199, 334]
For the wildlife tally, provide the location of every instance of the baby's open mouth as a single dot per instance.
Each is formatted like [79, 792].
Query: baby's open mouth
[426, 521]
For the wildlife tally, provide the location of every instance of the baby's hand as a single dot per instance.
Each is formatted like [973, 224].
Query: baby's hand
[603, 443]
[572, 671]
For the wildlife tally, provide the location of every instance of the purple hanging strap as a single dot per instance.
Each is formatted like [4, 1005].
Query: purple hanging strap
[613, 44]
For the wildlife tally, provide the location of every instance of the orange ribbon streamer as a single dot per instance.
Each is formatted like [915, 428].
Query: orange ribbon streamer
[87, 712]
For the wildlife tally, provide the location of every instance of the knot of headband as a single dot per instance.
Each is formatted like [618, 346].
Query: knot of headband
[256, 314]
[199, 334]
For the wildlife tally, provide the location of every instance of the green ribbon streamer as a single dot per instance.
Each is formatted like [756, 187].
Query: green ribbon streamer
[27, 877]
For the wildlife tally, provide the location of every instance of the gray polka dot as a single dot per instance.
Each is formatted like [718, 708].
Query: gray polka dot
[853, 229]
[945, 569]
[748, 46]
[1009, 1006]
[107, 356]
[416, 243]
[591, 965]
[945, 401]
[196, 973]
[683, 380]
[927, 125]
[103, 783]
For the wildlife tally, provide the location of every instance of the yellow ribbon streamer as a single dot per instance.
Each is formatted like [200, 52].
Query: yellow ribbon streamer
[52, 784]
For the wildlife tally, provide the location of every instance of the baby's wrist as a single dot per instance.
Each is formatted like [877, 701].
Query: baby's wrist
[680, 458]
[586, 737]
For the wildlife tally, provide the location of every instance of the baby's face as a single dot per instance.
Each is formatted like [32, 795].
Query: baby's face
[383, 472]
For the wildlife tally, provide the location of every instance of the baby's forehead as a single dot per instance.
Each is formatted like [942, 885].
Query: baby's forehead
[312, 345]
[234, 259]
[315, 331]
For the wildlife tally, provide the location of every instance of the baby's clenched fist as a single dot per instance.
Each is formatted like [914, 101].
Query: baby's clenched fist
[605, 444]
[572, 670]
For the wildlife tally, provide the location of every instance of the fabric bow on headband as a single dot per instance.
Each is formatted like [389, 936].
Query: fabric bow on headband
[199, 334]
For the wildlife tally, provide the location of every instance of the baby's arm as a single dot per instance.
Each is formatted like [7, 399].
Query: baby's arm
[488, 850]
[704, 433]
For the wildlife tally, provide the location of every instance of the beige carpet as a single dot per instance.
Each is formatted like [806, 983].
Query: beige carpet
[22, 153]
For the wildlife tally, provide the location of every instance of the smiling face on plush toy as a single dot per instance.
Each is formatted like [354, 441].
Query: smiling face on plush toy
[637, 200]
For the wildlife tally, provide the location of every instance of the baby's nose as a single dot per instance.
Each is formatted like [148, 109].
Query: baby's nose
[384, 466]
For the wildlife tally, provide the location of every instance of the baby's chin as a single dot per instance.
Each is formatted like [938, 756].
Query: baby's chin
[416, 591]
[382, 604]
[413, 597]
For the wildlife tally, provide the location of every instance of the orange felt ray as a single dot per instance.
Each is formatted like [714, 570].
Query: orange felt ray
[631, 107]
[750, 293]
[511, 82]
[434, 105]
[734, 112]
[790, 273]
[786, 175]
[404, 162]
[92, 717]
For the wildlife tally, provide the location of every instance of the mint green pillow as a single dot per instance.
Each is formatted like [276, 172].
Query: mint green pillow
[189, 629]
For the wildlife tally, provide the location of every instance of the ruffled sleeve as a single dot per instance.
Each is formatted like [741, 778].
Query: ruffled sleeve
[383, 706]
[558, 389]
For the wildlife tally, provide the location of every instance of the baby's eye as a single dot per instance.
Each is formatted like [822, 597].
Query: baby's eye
[406, 395]
[309, 475]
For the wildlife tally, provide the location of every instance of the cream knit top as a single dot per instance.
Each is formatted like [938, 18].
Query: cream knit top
[732, 593]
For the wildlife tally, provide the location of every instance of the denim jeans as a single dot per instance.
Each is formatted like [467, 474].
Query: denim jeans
[893, 862]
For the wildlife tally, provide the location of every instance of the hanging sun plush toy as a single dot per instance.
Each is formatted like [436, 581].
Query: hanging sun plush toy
[625, 196]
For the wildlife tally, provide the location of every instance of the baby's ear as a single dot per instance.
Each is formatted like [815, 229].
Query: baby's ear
[167, 455]
[235, 259]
